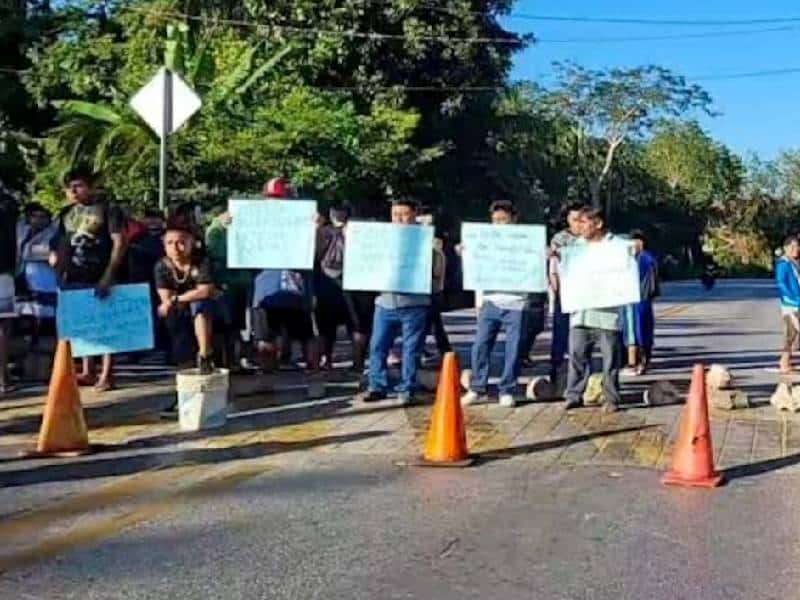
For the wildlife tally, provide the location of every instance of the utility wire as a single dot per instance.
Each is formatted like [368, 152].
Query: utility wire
[607, 20]
[675, 36]
[281, 29]
[313, 31]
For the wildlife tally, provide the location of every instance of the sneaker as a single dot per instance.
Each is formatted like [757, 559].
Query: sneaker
[507, 401]
[371, 396]
[405, 398]
[205, 365]
[471, 398]
[570, 404]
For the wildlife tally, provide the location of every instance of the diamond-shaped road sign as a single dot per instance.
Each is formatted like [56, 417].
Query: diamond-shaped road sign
[149, 102]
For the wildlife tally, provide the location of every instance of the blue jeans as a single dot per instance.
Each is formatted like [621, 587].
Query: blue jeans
[386, 325]
[490, 320]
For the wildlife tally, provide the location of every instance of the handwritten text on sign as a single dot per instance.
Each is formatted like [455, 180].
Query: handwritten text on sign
[504, 258]
[598, 275]
[383, 257]
[121, 322]
[271, 234]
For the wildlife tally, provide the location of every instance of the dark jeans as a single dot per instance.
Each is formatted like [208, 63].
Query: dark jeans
[387, 324]
[491, 320]
[560, 341]
[436, 326]
[180, 327]
[582, 341]
[534, 326]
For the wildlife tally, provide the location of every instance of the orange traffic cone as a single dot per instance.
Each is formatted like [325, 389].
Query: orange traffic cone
[63, 431]
[447, 436]
[693, 457]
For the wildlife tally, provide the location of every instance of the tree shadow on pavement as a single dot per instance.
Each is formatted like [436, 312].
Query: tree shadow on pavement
[489, 456]
[759, 468]
[92, 468]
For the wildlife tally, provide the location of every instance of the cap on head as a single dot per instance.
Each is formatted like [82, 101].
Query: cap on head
[277, 187]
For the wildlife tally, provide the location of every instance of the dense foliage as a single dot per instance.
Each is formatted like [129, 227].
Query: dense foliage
[359, 100]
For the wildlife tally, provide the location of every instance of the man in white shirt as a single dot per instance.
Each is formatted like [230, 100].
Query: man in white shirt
[499, 310]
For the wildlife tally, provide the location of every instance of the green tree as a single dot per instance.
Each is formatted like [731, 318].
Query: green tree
[391, 74]
[608, 107]
[21, 25]
[692, 164]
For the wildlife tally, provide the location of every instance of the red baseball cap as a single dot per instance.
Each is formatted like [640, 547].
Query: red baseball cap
[277, 187]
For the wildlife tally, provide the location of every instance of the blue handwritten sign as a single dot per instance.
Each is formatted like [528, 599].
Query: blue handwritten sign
[504, 258]
[598, 275]
[383, 257]
[271, 234]
[121, 322]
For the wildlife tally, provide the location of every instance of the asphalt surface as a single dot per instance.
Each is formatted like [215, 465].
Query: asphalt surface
[302, 524]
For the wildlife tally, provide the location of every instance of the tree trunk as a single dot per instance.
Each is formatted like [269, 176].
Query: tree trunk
[595, 186]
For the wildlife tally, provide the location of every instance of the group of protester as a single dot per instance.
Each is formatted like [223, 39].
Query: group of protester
[201, 305]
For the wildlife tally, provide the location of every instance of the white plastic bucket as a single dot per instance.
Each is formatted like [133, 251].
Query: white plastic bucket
[202, 399]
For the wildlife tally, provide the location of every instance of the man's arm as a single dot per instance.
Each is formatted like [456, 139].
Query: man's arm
[165, 295]
[203, 291]
[117, 254]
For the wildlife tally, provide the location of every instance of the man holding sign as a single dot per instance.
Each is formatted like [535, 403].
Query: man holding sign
[511, 259]
[598, 276]
[282, 294]
[86, 252]
[403, 308]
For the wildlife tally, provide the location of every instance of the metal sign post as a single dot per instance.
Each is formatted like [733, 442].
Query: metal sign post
[165, 103]
[164, 156]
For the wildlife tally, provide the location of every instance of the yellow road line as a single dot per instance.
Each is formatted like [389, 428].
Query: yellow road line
[106, 496]
[219, 481]
[674, 311]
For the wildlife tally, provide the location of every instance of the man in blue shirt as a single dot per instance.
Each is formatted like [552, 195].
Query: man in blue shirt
[642, 325]
[787, 276]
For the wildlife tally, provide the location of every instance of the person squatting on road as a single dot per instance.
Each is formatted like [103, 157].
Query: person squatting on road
[188, 300]
[787, 277]
[499, 310]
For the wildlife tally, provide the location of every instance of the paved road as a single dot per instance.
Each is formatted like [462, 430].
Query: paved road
[311, 501]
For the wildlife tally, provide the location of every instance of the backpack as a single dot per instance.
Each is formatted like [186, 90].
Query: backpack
[332, 261]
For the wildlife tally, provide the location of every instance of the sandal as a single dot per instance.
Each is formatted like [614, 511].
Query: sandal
[103, 386]
[85, 380]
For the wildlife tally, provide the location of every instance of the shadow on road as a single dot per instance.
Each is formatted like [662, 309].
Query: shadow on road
[506, 453]
[761, 467]
[92, 468]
